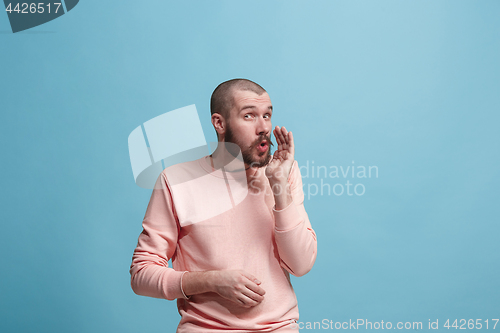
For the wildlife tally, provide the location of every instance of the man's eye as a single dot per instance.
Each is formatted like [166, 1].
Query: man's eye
[248, 116]
[267, 116]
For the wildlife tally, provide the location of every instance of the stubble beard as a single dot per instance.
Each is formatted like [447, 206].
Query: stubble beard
[247, 152]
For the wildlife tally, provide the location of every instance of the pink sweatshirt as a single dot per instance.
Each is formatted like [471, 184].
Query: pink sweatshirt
[206, 219]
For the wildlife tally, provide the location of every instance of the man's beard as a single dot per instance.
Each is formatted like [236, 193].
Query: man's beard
[246, 152]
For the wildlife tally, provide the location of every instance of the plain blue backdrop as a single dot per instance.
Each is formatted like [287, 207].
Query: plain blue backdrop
[411, 87]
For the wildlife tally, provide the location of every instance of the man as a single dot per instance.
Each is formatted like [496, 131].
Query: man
[234, 231]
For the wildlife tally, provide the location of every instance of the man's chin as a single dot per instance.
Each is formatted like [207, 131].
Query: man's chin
[260, 162]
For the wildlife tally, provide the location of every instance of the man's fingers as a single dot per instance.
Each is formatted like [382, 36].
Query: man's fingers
[246, 301]
[250, 277]
[286, 137]
[280, 138]
[283, 137]
[240, 287]
[290, 143]
[277, 135]
[283, 134]
[284, 131]
[253, 284]
[253, 296]
[255, 288]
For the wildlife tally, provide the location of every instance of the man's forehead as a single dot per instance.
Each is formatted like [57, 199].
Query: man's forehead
[247, 98]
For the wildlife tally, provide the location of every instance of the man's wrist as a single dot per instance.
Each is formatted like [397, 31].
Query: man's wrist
[198, 282]
[210, 281]
[282, 194]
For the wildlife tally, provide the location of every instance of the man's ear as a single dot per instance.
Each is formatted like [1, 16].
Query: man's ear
[219, 123]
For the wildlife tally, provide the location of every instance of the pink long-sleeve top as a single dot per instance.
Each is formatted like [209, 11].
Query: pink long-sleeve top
[206, 219]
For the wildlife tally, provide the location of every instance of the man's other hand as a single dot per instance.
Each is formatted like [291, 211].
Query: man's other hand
[238, 286]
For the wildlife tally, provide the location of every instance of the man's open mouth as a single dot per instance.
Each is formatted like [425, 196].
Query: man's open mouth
[263, 146]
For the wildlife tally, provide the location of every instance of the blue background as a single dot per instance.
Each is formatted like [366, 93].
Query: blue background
[411, 87]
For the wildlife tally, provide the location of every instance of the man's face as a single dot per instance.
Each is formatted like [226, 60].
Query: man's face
[249, 127]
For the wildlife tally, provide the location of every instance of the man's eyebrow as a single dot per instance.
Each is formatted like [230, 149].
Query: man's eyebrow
[248, 107]
[254, 107]
[270, 107]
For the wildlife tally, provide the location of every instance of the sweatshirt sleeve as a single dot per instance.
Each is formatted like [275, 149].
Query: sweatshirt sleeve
[295, 238]
[149, 271]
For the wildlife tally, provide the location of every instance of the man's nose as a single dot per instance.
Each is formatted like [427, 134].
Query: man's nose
[263, 126]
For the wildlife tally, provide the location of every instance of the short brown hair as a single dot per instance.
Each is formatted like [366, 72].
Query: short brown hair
[222, 100]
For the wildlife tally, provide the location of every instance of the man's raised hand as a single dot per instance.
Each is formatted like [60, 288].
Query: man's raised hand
[278, 170]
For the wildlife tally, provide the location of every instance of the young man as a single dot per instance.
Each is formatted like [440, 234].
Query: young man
[233, 223]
